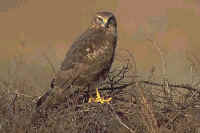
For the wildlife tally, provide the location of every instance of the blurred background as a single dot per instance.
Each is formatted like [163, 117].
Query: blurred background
[39, 32]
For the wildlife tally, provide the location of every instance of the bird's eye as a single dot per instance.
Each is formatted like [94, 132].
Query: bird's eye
[110, 23]
[99, 20]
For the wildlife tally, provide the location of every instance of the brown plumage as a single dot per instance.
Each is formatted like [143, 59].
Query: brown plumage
[87, 62]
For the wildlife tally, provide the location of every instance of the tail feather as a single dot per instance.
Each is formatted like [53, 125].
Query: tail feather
[54, 95]
[43, 98]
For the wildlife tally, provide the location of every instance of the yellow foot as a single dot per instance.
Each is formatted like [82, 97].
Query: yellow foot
[91, 100]
[99, 99]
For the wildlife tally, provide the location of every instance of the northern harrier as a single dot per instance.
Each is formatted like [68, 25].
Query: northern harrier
[87, 62]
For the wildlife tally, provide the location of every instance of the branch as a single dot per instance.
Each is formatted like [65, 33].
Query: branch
[184, 86]
[120, 121]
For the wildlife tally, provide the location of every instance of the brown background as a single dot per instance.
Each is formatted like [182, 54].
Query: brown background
[52, 25]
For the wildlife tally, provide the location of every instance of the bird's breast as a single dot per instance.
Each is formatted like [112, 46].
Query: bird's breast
[94, 53]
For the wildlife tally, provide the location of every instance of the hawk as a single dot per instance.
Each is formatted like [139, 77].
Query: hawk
[87, 62]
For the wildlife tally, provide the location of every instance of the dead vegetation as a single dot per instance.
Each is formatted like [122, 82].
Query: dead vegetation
[138, 105]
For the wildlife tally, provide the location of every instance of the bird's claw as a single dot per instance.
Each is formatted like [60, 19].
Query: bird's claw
[99, 99]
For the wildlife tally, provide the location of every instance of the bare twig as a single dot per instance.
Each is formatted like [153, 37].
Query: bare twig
[119, 120]
[50, 63]
[184, 86]
[163, 60]
[20, 94]
[147, 112]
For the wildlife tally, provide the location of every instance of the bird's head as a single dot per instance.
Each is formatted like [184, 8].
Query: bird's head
[105, 20]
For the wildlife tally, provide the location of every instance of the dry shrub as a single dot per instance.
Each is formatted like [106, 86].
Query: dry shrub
[137, 106]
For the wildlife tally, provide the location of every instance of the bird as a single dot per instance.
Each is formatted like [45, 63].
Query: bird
[87, 62]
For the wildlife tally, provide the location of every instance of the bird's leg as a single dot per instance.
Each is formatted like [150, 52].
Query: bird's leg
[100, 99]
[91, 99]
